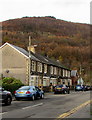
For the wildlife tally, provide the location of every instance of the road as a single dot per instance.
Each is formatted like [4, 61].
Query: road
[52, 106]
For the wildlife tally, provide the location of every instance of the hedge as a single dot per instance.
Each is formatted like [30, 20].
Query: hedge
[11, 84]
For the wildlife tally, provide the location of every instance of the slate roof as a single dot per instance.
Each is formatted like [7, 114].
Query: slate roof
[38, 57]
[25, 52]
[21, 50]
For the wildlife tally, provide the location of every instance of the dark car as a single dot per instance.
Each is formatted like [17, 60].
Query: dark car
[88, 88]
[61, 89]
[28, 92]
[79, 88]
[5, 96]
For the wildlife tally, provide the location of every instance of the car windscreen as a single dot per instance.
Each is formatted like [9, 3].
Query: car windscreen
[25, 88]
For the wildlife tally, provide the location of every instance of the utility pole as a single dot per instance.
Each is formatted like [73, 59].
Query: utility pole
[29, 60]
[81, 81]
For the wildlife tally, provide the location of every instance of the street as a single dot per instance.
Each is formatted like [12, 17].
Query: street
[52, 106]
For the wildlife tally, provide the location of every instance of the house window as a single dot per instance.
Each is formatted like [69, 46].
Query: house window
[33, 66]
[36, 81]
[45, 68]
[55, 70]
[31, 82]
[60, 71]
[44, 82]
[66, 73]
[51, 70]
[63, 73]
[39, 67]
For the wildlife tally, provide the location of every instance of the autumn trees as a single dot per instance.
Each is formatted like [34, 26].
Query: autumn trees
[61, 40]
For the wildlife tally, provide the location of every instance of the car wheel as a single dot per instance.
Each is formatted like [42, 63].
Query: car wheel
[55, 92]
[33, 98]
[68, 91]
[8, 101]
[64, 92]
[42, 96]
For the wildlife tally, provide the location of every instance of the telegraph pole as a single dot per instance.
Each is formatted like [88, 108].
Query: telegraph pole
[29, 59]
[81, 81]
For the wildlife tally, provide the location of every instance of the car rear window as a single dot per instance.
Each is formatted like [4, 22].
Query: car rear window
[78, 86]
[59, 86]
[1, 89]
[25, 88]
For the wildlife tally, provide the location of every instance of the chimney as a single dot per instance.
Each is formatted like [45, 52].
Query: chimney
[31, 48]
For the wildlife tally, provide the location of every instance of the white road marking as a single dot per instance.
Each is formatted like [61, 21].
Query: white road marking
[33, 106]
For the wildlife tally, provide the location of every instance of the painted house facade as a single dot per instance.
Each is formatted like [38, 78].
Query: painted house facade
[35, 70]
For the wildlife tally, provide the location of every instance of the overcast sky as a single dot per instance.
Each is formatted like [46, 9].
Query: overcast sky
[69, 10]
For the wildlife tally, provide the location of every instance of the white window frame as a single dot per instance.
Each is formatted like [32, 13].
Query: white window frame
[55, 70]
[44, 82]
[51, 69]
[33, 66]
[66, 73]
[39, 67]
[63, 72]
[45, 68]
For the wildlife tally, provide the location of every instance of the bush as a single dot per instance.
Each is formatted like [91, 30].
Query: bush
[11, 84]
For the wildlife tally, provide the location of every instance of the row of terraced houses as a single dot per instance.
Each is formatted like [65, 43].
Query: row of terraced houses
[35, 69]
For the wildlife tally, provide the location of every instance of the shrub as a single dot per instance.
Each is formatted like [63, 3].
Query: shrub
[11, 84]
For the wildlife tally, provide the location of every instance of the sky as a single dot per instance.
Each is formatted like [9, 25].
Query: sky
[69, 10]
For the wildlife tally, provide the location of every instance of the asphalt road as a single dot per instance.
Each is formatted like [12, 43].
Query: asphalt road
[52, 106]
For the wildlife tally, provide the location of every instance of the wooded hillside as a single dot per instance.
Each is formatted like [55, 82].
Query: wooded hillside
[61, 40]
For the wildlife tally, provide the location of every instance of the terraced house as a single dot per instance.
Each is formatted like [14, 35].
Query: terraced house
[35, 69]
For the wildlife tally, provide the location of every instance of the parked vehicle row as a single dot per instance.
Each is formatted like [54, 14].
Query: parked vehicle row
[82, 88]
[33, 92]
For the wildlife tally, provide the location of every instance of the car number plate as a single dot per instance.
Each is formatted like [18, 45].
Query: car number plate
[58, 88]
[21, 92]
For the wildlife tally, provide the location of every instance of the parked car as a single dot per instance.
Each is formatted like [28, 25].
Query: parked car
[88, 88]
[61, 89]
[79, 88]
[5, 96]
[28, 92]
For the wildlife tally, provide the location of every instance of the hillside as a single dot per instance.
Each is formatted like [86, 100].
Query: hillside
[61, 40]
